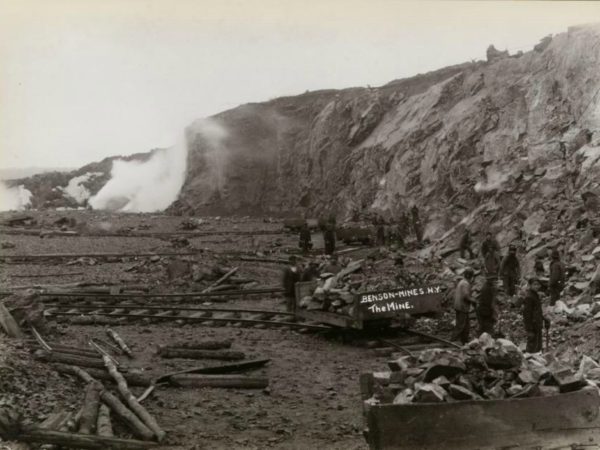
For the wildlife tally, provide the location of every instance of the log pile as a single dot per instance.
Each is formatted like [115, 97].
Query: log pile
[486, 368]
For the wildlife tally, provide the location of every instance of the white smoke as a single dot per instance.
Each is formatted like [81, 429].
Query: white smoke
[14, 198]
[144, 186]
[215, 153]
[76, 189]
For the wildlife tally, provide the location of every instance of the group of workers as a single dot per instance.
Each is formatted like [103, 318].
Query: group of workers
[508, 269]
[384, 233]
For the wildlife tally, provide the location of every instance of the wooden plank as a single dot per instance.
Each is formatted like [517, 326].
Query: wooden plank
[9, 324]
[560, 420]
[219, 381]
[225, 368]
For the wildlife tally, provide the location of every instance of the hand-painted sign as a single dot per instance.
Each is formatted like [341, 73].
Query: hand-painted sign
[389, 303]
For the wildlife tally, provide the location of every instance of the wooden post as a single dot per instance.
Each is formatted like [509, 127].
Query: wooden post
[136, 425]
[132, 401]
[119, 341]
[220, 280]
[64, 358]
[9, 324]
[103, 425]
[91, 403]
[208, 344]
[221, 381]
[226, 355]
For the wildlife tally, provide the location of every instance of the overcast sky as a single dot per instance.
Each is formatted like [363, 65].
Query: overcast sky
[85, 79]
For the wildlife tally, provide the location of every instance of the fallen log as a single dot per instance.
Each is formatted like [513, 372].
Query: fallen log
[103, 425]
[91, 403]
[219, 381]
[133, 379]
[64, 358]
[219, 281]
[209, 344]
[127, 416]
[225, 368]
[132, 401]
[119, 341]
[226, 355]
[9, 324]
[81, 441]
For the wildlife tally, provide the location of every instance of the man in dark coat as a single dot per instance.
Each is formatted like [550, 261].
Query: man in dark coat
[311, 273]
[489, 244]
[557, 277]
[486, 307]
[305, 240]
[533, 317]
[416, 221]
[510, 271]
[462, 305]
[465, 244]
[380, 231]
[291, 275]
[329, 237]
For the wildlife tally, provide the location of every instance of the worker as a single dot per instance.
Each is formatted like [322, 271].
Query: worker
[490, 244]
[594, 286]
[510, 271]
[305, 240]
[533, 317]
[417, 226]
[538, 266]
[311, 273]
[380, 231]
[465, 244]
[462, 305]
[291, 275]
[486, 307]
[329, 236]
[332, 266]
[557, 277]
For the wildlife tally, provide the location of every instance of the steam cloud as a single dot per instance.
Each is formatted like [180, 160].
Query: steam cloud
[153, 185]
[14, 198]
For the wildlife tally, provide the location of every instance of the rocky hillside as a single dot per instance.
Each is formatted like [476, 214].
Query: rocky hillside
[510, 136]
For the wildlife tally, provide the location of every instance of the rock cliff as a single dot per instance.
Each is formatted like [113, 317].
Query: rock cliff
[512, 135]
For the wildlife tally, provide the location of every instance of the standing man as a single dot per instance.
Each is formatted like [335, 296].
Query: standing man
[380, 231]
[291, 275]
[510, 271]
[490, 252]
[305, 241]
[462, 305]
[533, 317]
[486, 307]
[557, 277]
[329, 237]
[465, 244]
[418, 228]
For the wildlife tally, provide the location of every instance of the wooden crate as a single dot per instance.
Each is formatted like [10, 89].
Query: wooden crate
[569, 420]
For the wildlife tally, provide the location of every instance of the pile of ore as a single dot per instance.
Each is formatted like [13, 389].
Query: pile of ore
[486, 368]
[334, 292]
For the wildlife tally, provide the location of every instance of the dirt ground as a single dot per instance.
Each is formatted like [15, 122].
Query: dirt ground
[313, 399]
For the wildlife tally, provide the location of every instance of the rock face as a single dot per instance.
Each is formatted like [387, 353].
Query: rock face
[464, 134]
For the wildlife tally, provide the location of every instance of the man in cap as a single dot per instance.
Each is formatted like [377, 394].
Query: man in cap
[510, 271]
[533, 317]
[557, 277]
[462, 305]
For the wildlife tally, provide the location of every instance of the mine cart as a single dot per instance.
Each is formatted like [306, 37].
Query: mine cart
[373, 308]
[570, 420]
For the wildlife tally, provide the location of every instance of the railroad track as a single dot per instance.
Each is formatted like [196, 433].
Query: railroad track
[123, 314]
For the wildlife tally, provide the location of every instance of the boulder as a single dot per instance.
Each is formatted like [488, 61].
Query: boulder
[429, 393]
